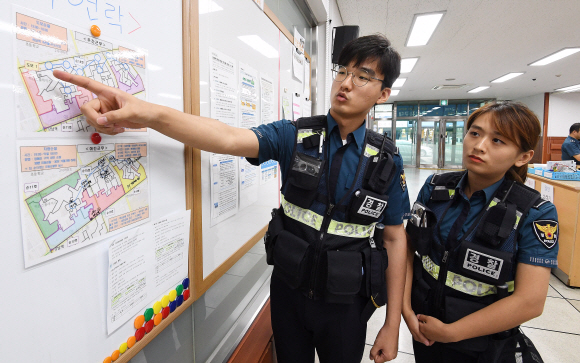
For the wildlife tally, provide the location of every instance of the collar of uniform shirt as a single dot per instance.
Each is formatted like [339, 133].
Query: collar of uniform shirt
[359, 134]
[489, 191]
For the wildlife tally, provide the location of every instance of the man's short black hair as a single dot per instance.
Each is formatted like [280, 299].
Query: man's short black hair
[575, 127]
[373, 47]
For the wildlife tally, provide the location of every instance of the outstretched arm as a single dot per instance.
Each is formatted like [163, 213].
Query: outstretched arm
[114, 110]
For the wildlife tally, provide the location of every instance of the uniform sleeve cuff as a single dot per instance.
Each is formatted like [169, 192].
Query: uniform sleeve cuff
[539, 261]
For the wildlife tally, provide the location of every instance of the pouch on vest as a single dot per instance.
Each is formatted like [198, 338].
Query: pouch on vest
[290, 254]
[275, 226]
[379, 173]
[455, 309]
[366, 207]
[485, 264]
[303, 179]
[379, 264]
[344, 276]
[421, 235]
[421, 291]
[497, 225]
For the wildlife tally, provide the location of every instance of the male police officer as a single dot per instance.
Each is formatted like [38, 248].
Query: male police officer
[571, 146]
[343, 185]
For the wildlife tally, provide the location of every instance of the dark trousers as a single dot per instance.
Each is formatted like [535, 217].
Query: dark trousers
[440, 353]
[300, 325]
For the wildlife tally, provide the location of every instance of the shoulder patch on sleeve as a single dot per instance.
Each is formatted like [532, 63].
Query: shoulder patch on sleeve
[403, 180]
[547, 232]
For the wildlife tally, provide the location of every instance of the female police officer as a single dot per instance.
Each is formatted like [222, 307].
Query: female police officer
[481, 256]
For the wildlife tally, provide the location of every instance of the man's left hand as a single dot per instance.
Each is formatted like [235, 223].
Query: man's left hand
[386, 345]
[434, 329]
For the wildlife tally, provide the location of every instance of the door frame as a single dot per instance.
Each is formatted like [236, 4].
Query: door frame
[441, 136]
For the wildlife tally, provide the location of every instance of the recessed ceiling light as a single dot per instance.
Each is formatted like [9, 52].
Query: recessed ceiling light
[423, 27]
[208, 6]
[399, 82]
[556, 56]
[260, 45]
[507, 77]
[478, 89]
[569, 88]
[407, 64]
[395, 92]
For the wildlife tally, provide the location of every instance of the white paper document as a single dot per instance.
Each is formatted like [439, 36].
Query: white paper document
[298, 64]
[248, 96]
[267, 98]
[249, 175]
[144, 264]
[296, 107]
[268, 171]
[306, 108]
[223, 88]
[224, 187]
[306, 91]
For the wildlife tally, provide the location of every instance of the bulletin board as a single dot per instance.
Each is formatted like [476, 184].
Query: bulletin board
[217, 246]
[57, 308]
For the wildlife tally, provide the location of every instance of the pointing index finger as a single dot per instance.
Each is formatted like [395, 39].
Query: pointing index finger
[84, 82]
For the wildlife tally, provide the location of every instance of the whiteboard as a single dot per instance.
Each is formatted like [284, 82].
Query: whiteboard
[219, 29]
[56, 311]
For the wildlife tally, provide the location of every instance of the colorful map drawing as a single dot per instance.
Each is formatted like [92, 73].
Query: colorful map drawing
[56, 102]
[70, 204]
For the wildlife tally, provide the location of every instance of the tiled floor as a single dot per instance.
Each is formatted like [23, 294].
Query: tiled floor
[556, 333]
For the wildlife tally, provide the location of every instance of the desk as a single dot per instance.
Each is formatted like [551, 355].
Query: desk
[567, 202]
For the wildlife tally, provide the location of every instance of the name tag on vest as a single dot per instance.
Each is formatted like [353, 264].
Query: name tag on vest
[483, 264]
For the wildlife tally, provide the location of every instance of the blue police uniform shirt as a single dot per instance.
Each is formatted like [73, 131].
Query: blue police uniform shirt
[570, 147]
[530, 249]
[277, 140]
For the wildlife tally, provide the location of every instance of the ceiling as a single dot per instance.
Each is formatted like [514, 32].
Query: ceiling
[477, 41]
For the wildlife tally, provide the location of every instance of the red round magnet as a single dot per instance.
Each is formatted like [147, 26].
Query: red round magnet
[139, 334]
[96, 138]
[149, 326]
[165, 312]
[186, 295]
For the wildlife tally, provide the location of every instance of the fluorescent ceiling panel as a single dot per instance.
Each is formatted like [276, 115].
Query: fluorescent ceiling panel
[395, 92]
[556, 56]
[569, 88]
[399, 82]
[208, 6]
[478, 89]
[423, 27]
[260, 45]
[507, 77]
[407, 64]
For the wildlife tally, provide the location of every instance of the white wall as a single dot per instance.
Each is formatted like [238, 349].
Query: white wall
[536, 104]
[564, 110]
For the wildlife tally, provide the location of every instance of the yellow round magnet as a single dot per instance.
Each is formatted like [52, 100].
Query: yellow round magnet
[172, 295]
[165, 301]
[157, 307]
[123, 348]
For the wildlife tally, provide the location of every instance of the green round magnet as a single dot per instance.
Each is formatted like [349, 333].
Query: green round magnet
[179, 289]
[148, 314]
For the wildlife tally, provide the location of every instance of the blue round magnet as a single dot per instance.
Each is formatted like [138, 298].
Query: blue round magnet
[185, 283]
[172, 306]
[179, 300]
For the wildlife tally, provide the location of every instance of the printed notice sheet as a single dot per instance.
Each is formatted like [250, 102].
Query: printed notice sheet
[224, 187]
[298, 64]
[306, 108]
[248, 96]
[296, 107]
[286, 109]
[268, 171]
[267, 96]
[74, 193]
[223, 88]
[249, 182]
[145, 263]
[43, 44]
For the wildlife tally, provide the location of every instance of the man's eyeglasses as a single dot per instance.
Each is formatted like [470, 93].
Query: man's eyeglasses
[360, 77]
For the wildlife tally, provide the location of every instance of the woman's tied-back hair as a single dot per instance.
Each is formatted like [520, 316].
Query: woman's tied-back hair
[517, 123]
[373, 47]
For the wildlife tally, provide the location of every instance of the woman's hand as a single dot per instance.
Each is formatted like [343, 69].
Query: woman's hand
[413, 325]
[113, 110]
[435, 330]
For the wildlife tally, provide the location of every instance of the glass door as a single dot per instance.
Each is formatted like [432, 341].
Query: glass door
[440, 142]
[406, 140]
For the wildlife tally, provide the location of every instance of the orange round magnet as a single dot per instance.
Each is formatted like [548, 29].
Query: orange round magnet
[123, 348]
[107, 360]
[95, 31]
[115, 355]
[158, 318]
[139, 321]
[131, 342]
